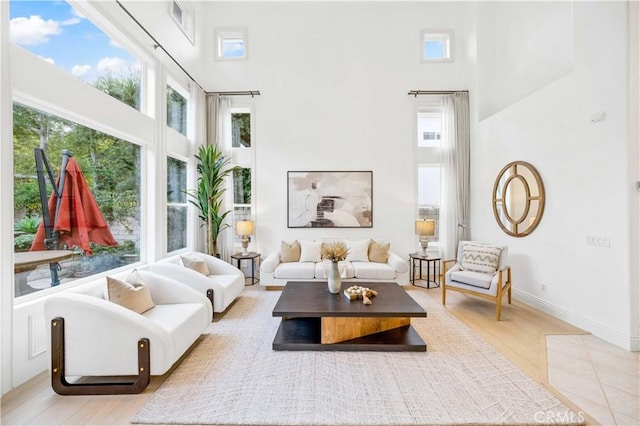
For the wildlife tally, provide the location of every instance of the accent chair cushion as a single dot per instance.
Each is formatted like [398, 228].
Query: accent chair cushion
[379, 252]
[132, 294]
[195, 262]
[358, 250]
[310, 251]
[289, 252]
[476, 279]
[480, 258]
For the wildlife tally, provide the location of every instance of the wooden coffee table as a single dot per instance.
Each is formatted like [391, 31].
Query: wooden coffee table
[314, 319]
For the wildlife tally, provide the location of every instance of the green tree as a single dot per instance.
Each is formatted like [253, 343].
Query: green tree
[125, 89]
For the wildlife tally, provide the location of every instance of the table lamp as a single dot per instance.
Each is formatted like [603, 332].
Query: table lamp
[244, 228]
[425, 228]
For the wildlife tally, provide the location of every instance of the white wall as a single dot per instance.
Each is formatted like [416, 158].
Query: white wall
[583, 166]
[334, 79]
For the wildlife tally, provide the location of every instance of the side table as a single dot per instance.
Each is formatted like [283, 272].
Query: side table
[254, 258]
[432, 263]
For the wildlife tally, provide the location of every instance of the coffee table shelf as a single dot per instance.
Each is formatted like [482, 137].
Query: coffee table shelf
[303, 334]
[314, 319]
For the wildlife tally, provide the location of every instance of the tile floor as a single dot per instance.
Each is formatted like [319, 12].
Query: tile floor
[599, 377]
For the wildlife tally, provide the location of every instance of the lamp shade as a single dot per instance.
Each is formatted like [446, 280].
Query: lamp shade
[244, 227]
[425, 227]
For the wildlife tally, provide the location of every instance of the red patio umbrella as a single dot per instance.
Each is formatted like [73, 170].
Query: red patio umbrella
[78, 219]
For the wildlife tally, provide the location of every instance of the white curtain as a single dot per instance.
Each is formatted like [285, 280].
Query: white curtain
[454, 213]
[212, 118]
[224, 133]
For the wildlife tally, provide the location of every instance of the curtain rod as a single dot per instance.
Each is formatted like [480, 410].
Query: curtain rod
[158, 45]
[251, 93]
[435, 92]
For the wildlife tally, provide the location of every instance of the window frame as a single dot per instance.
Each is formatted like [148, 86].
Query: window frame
[187, 21]
[228, 33]
[437, 35]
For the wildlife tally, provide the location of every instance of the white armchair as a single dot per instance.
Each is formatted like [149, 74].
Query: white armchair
[224, 283]
[480, 270]
[91, 336]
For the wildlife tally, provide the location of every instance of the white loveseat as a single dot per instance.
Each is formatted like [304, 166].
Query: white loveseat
[91, 336]
[356, 268]
[222, 285]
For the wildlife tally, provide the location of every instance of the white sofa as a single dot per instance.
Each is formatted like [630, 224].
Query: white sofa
[223, 284]
[91, 336]
[274, 273]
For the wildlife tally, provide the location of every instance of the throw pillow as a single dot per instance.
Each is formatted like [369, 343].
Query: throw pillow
[358, 250]
[289, 252]
[196, 263]
[480, 258]
[131, 295]
[379, 252]
[310, 251]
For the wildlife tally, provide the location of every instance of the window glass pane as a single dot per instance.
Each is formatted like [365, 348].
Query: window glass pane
[111, 168]
[177, 12]
[176, 111]
[429, 185]
[429, 130]
[49, 28]
[241, 130]
[232, 47]
[176, 181]
[177, 204]
[434, 49]
[242, 186]
[176, 227]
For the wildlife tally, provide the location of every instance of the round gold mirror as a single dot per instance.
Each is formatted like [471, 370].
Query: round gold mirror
[518, 198]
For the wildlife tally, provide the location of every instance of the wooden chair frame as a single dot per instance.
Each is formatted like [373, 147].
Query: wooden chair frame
[502, 286]
[59, 381]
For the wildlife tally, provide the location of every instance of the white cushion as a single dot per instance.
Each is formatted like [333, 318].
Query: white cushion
[345, 268]
[310, 251]
[358, 250]
[373, 270]
[295, 270]
[480, 258]
[476, 279]
[183, 321]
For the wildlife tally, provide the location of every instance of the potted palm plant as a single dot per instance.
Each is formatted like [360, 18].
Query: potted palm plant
[213, 168]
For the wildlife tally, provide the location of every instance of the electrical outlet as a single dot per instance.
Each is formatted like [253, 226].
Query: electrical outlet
[543, 287]
[599, 241]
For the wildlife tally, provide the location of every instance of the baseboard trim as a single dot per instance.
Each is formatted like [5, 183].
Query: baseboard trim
[627, 342]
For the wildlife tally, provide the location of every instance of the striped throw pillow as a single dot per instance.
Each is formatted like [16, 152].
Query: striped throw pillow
[480, 258]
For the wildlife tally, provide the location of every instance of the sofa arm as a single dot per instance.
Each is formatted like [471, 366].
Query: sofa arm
[397, 263]
[270, 264]
[166, 290]
[101, 337]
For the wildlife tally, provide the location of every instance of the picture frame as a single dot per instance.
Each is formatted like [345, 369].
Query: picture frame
[330, 199]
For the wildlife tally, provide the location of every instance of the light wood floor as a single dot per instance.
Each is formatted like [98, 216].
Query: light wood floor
[520, 336]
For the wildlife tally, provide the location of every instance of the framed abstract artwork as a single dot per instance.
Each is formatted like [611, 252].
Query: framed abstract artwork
[330, 199]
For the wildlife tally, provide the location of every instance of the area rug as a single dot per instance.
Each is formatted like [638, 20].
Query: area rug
[233, 377]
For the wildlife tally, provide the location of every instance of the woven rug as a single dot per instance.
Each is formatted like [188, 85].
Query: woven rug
[233, 377]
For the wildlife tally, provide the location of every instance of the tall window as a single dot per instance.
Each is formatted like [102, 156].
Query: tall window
[177, 206]
[242, 155]
[111, 168]
[428, 164]
[60, 35]
[176, 111]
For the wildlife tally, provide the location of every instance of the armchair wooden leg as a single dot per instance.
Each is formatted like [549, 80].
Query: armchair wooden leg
[61, 386]
[210, 297]
[444, 292]
[499, 296]
[510, 284]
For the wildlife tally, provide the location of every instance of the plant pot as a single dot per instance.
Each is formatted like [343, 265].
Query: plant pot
[334, 282]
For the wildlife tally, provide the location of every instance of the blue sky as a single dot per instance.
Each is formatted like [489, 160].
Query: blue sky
[54, 31]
